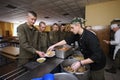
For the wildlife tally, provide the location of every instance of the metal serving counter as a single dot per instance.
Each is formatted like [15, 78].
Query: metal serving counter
[49, 65]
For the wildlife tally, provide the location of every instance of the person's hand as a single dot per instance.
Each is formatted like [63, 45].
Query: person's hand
[75, 65]
[108, 42]
[51, 48]
[41, 54]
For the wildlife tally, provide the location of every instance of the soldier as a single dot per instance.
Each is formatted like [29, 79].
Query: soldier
[28, 37]
[54, 34]
[43, 37]
[62, 32]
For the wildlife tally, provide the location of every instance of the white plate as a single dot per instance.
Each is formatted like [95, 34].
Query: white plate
[51, 55]
[41, 60]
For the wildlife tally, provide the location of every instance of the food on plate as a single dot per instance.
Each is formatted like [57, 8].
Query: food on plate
[80, 69]
[41, 60]
[50, 53]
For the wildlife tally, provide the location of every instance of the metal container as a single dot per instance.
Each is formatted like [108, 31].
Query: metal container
[63, 51]
[77, 56]
[65, 76]
[80, 75]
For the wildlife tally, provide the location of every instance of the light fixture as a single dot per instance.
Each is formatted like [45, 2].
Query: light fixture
[10, 6]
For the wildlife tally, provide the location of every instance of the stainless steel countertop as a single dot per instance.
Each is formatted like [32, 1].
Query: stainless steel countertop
[46, 67]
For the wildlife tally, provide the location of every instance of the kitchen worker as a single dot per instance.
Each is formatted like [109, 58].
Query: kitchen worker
[28, 37]
[89, 46]
[43, 37]
[116, 42]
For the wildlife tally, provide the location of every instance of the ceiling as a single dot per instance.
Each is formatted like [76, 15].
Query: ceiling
[50, 11]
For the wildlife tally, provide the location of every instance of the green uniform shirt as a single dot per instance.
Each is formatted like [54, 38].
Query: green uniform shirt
[54, 37]
[62, 35]
[28, 40]
[43, 41]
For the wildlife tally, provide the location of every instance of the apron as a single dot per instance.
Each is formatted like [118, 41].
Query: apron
[115, 52]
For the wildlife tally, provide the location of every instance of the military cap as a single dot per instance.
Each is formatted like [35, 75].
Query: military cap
[77, 19]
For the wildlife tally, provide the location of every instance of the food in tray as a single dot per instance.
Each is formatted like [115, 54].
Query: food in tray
[41, 60]
[78, 57]
[80, 69]
[64, 48]
[50, 53]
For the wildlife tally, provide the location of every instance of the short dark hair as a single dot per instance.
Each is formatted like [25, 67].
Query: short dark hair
[55, 24]
[33, 13]
[62, 24]
[42, 23]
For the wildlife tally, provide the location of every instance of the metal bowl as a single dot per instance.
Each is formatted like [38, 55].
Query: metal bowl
[80, 75]
[65, 76]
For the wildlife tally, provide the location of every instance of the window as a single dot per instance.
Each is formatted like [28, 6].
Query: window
[15, 29]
